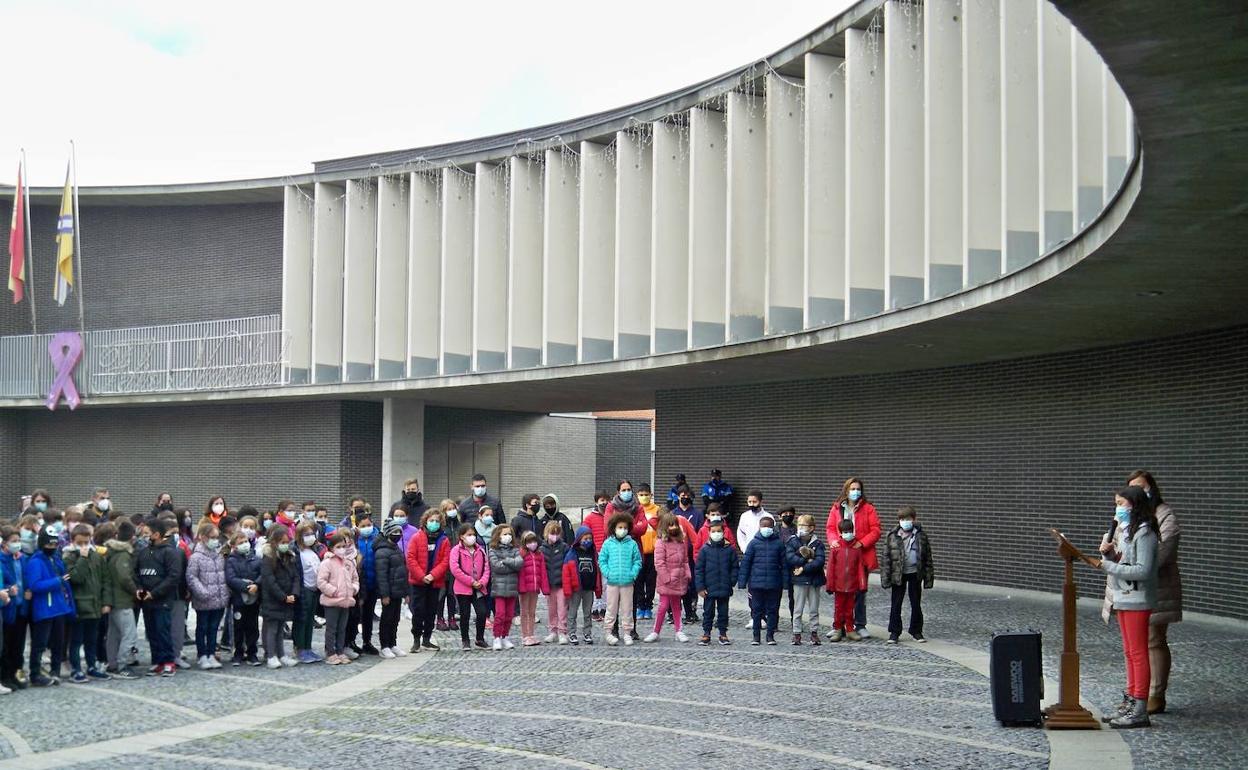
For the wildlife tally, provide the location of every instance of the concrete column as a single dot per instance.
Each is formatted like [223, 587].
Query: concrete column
[903, 157]
[524, 275]
[1020, 133]
[489, 269]
[824, 248]
[981, 140]
[942, 149]
[393, 220]
[864, 177]
[402, 447]
[708, 212]
[327, 265]
[745, 297]
[669, 238]
[297, 234]
[1118, 141]
[424, 275]
[359, 306]
[559, 259]
[633, 290]
[457, 294]
[596, 247]
[786, 271]
[1056, 129]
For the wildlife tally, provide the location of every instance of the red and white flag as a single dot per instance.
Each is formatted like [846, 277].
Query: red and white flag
[17, 242]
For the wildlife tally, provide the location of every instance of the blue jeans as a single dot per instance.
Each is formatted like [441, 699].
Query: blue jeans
[206, 624]
[85, 633]
[158, 624]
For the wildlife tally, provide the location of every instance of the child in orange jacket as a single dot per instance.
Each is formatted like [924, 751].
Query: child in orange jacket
[846, 577]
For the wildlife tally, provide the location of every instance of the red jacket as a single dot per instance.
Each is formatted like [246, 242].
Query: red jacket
[704, 537]
[572, 579]
[866, 531]
[418, 557]
[845, 569]
[533, 574]
[597, 524]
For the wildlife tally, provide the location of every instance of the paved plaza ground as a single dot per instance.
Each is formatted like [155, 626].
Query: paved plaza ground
[863, 705]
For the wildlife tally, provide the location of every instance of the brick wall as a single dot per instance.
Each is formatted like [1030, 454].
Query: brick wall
[995, 454]
[623, 452]
[147, 265]
[360, 447]
[12, 462]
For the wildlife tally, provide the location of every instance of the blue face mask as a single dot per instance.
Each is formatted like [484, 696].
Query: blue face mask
[765, 531]
[41, 506]
[906, 524]
[478, 491]
[1123, 515]
[366, 531]
[432, 526]
[626, 495]
[855, 495]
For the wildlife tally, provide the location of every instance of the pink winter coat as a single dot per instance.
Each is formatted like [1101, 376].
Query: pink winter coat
[467, 566]
[533, 575]
[337, 580]
[671, 563]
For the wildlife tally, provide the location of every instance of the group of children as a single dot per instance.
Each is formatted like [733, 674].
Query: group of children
[79, 587]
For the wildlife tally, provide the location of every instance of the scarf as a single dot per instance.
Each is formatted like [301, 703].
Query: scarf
[622, 507]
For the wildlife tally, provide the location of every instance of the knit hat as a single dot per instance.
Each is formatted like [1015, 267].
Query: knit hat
[48, 536]
[392, 526]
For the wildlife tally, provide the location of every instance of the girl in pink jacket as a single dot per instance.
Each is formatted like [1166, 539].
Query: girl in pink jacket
[338, 582]
[671, 565]
[533, 581]
[470, 566]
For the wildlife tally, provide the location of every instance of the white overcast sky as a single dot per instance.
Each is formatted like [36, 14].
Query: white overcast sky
[170, 91]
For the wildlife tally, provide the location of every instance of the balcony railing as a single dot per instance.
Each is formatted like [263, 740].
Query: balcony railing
[207, 355]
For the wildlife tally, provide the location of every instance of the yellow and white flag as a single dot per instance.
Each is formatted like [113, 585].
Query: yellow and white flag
[65, 245]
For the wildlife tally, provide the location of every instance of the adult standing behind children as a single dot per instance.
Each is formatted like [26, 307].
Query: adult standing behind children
[854, 507]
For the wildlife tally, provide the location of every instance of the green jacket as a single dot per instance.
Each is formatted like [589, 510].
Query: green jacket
[119, 584]
[86, 576]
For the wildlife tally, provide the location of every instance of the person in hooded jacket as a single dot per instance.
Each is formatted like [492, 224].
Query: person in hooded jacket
[281, 581]
[763, 573]
[51, 605]
[582, 583]
[158, 574]
[119, 588]
[715, 573]
[529, 516]
[85, 566]
[412, 501]
[551, 513]
[390, 564]
[554, 548]
[210, 594]
[242, 576]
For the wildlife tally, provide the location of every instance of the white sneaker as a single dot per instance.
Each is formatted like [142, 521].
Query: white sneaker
[213, 662]
[863, 633]
[653, 636]
[507, 645]
[550, 638]
[398, 651]
[387, 653]
[515, 621]
[4, 690]
[682, 637]
[628, 640]
[289, 662]
[563, 638]
[350, 653]
[274, 663]
[498, 643]
[203, 662]
[407, 612]
[182, 663]
[613, 640]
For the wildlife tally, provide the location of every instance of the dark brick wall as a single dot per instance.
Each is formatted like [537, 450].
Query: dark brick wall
[148, 265]
[995, 454]
[623, 452]
[12, 462]
[361, 453]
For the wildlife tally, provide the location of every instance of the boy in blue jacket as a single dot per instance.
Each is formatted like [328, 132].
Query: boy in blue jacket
[16, 610]
[715, 573]
[764, 574]
[51, 605]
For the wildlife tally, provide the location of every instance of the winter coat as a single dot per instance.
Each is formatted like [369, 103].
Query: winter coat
[866, 530]
[468, 566]
[417, 558]
[1133, 570]
[620, 561]
[716, 569]
[523, 521]
[695, 516]
[338, 580]
[575, 562]
[1169, 605]
[671, 565]
[812, 568]
[241, 571]
[645, 527]
[597, 528]
[367, 567]
[470, 506]
[762, 567]
[86, 578]
[158, 569]
[391, 567]
[704, 537]
[280, 576]
[532, 573]
[51, 596]
[12, 573]
[554, 555]
[846, 570]
[119, 584]
[892, 569]
[205, 576]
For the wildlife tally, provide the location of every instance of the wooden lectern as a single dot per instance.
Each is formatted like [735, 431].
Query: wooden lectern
[1067, 714]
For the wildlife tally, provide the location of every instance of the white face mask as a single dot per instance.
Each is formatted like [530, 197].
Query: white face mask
[104, 505]
[218, 508]
[505, 539]
[340, 552]
[309, 539]
[803, 531]
[847, 536]
[248, 532]
[621, 532]
[244, 548]
[470, 541]
[717, 536]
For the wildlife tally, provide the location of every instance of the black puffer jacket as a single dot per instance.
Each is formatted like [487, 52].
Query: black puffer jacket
[159, 569]
[279, 578]
[391, 570]
[893, 566]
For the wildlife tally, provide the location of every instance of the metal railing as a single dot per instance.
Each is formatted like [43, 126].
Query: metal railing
[208, 355]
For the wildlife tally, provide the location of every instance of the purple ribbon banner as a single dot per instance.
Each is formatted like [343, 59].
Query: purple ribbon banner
[65, 349]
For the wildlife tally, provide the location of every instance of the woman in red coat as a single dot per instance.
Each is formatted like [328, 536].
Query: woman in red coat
[854, 506]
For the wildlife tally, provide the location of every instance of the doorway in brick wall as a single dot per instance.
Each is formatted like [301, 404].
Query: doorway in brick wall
[467, 458]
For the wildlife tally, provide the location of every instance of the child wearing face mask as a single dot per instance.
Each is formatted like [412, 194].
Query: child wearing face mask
[309, 554]
[470, 567]
[673, 575]
[596, 521]
[787, 528]
[205, 576]
[715, 573]
[647, 522]
[85, 568]
[554, 550]
[448, 609]
[620, 563]
[846, 577]
[390, 564]
[51, 603]
[15, 612]
[364, 612]
[338, 583]
[280, 588]
[763, 573]
[180, 600]
[242, 576]
[582, 584]
[427, 560]
[804, 556]
[531, 581]
[714, 515]
[907, 569]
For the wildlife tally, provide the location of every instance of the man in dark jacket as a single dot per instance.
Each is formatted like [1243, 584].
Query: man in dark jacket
[414, 500]
[480, 498]
[157, 576]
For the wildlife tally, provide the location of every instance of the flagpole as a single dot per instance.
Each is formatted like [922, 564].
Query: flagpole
[30, 251]
[73, 155]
